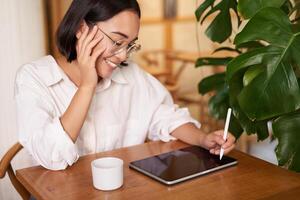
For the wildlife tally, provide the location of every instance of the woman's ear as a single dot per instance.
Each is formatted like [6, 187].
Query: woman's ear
[81, 29]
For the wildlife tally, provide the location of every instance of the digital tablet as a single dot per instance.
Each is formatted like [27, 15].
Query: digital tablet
[182, 164]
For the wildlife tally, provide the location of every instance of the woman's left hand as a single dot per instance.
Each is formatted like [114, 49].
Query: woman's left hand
[214, 141]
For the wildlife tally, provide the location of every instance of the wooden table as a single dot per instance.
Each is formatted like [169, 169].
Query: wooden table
[251, 179]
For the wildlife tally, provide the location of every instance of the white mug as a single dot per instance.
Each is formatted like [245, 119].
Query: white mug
[107, 173]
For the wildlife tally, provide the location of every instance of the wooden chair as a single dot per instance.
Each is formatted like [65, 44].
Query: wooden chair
[5, 166]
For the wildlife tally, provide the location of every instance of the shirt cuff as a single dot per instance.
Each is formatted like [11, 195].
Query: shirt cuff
[174, 118]
[165, 135]
[65, 148]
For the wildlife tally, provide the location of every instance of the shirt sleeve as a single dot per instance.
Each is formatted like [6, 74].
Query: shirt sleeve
[167, 115]
[39, 130]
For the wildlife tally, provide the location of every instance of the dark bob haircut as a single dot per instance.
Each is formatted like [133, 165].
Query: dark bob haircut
[92, 11]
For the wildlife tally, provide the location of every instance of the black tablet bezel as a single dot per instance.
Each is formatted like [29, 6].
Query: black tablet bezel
[224, 163]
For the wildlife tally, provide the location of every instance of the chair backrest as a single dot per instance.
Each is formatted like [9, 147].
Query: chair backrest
[5, 166]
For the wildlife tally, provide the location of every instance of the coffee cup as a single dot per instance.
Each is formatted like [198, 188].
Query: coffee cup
[107, 173]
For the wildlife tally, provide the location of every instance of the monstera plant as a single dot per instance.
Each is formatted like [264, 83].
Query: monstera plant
[261, 83]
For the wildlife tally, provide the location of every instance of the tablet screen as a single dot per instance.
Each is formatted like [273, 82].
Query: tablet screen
[182, 164]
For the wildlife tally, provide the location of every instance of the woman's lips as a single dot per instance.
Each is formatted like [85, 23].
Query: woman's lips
[111, 64]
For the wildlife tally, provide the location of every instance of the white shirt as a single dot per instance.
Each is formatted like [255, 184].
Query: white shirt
[125, 110]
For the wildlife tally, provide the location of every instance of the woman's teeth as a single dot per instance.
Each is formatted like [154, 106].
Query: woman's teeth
[113, 65]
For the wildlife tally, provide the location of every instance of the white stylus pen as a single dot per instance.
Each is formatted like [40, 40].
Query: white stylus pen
[226, 130]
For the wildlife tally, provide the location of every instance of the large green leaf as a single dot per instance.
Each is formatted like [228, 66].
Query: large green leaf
[227, 49]
[264, 81]
[212, 61]
[286, 129]
[248, 8]
[235, 127]
[271, 94]
[219, 103]
[220, 28]
[210, 83]
[247, 59]
[218, 106]
[269, 24]
[250, 45]
[252, 73]
[202, 7]
[262, 130]
[235, 87]
[287, 7]
[277, 84]
[249, 126]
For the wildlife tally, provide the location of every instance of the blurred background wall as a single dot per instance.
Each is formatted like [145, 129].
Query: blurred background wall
[171, 41]
[22, 38]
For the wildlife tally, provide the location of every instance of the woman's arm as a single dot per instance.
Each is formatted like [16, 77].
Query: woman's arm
[39, 128]
[213, 141]
[73, 118]
[88, 52]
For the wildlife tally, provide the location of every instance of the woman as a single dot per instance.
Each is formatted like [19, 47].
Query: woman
[90, 99]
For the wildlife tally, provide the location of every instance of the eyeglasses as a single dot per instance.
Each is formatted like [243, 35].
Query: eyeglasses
[119, 47]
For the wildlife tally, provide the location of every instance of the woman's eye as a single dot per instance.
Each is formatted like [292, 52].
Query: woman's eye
[119, 43]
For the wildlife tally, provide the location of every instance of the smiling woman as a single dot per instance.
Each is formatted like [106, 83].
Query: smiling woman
[92, 99]
[120, 20]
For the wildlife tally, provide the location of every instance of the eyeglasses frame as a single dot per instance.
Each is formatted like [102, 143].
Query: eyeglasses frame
[136, 47]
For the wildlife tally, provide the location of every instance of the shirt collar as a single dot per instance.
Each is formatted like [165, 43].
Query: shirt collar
[50, 74]
[118, 76]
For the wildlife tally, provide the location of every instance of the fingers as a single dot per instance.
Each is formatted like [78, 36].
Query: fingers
[218, 139]
[229, 142]
[86, 45]
[85, 38]
[219, 132]
[89, 48]
[96, 54]
[226, 151]
[215, 151]
[89, 38]
[213, 140]
[81, 39]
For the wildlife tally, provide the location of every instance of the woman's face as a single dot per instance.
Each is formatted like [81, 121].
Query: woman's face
[118, 32]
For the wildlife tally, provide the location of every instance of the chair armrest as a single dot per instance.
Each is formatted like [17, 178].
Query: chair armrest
[8, 156]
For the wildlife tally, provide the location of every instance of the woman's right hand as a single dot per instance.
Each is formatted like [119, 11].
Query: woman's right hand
[87, 55]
